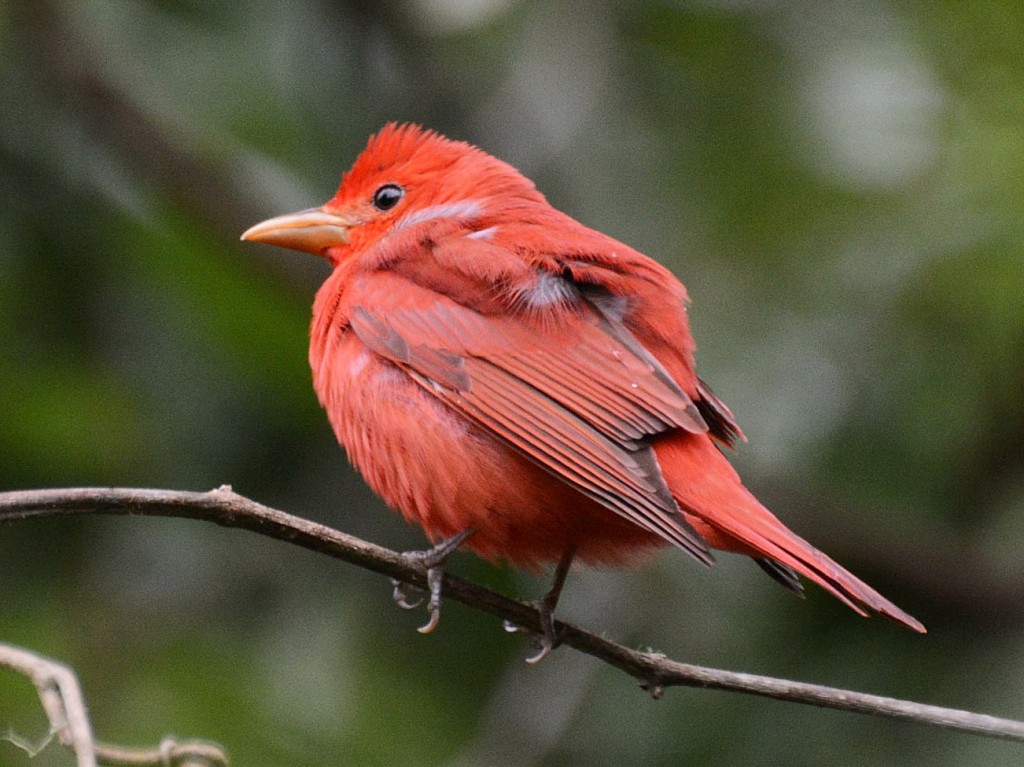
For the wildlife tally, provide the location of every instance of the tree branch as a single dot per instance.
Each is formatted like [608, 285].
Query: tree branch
[655, 672]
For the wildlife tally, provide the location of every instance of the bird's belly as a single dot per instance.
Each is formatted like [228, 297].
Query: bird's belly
[445, 473]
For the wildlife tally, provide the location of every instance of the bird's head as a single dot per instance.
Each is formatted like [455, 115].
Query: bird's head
[405, 177]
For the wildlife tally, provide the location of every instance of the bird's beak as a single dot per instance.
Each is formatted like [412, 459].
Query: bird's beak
[312, 231]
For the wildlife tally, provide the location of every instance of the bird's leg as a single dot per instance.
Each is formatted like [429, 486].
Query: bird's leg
[546, 608]
[434, 560]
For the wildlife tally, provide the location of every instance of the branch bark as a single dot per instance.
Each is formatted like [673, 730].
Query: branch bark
[655, 672]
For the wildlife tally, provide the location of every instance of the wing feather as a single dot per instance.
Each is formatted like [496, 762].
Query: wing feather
[583, 410]
[629, 483]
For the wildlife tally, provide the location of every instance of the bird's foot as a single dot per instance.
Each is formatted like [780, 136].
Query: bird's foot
[548, 638]
[434, 560]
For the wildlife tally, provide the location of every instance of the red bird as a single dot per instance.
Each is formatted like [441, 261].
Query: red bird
[509, 379]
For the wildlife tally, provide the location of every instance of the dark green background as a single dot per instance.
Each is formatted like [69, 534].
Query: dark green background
[840, 185]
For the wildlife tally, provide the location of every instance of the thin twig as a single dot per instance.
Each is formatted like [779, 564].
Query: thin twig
[60, 697]
[654, 671]
[170, 753]
[64, 705]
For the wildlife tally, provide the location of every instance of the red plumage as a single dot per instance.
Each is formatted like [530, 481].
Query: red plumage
[490, 363]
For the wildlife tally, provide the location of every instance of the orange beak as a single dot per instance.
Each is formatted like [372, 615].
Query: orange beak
[312, 231]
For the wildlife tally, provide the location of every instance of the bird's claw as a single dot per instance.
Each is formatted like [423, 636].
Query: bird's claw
[401, 598]
[548, 638]
[435, 576]
[434, 560]
[510, 627]
[545, 649]
[544, 642]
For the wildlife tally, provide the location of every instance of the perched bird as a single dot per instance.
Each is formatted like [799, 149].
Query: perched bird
[515, 382]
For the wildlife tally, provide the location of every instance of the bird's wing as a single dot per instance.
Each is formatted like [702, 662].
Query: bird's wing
[720, 420]
[579, 396]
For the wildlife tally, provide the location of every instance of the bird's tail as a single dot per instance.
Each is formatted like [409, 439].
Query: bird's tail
[716, 503]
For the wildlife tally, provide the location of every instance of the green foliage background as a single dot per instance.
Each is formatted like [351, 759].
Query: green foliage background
[840, 185]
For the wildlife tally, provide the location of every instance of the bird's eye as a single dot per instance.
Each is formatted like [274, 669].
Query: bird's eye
[387, 196]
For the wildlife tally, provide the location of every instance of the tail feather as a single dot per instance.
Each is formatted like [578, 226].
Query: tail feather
[784, 546]
[786, 577]
[708, 489]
